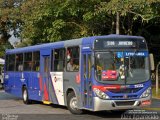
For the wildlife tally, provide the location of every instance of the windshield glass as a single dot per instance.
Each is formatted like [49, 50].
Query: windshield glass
[122, 67]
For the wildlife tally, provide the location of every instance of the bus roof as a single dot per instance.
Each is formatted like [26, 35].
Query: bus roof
[66, 43]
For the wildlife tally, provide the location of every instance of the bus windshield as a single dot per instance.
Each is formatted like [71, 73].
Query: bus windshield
[122, 67]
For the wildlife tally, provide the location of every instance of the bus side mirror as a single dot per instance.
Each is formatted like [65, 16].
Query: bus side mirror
[151, 57]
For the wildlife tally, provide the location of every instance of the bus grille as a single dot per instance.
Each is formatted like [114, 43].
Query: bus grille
[124, 103]
[125, 90]
[122, 97]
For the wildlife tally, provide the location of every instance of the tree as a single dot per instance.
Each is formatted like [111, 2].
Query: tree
[9, 18]
[9, 22]
[131, 11]
[3, 47]
[55, 20]
[41, 21]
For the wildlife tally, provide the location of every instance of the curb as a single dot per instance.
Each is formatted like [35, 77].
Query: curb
[156, 109]
[156, 98]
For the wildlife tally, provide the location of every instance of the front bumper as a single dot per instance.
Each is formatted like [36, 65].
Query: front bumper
[100, 104]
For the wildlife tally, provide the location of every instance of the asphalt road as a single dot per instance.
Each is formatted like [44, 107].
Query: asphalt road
[12, 108]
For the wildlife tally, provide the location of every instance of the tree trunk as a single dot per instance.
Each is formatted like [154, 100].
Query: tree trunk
[117, 23]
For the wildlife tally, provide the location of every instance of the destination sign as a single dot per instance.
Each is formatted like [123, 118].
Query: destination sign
[128, 54]
[119, 44]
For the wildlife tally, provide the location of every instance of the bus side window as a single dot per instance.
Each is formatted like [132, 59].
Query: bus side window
[10, 62]
[19, 62]
[28, 61]
[58, 59]
[72, 57]
[36, 61]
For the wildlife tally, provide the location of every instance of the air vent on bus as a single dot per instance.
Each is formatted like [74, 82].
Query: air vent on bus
[125, 90]
[122, 97]
[125, 103]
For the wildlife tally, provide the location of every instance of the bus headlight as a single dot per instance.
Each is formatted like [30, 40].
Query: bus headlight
[146, 93]
[100, 94]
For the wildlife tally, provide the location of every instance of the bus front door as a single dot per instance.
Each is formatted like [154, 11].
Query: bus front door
[45, 76]
[86, 80]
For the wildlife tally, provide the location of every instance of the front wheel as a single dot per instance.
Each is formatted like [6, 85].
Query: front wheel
[25, 96]
[72, 104]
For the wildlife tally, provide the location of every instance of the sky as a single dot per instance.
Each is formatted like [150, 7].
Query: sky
[12, 39]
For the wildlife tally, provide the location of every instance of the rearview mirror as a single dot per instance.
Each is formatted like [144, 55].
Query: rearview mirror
[151, 57]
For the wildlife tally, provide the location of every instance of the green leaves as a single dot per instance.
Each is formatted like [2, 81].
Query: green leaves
[131, 11]
[41, 21]
[139, 8]
[52, 20]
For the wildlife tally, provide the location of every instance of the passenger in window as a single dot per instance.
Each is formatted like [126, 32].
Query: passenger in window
[68, 55]
[70, 65]
[60, 66]
[29, 65]
[36, 66]
[20, 67]
[76, 65]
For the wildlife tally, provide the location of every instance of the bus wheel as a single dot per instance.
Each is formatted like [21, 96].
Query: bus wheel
[72, 104]
[25, 96]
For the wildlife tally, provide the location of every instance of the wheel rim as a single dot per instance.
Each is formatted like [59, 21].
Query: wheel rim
[73, 103]
[25, 95]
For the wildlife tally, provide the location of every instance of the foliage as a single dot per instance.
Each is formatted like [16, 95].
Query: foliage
[131, 12]
[41, 21]
[3, 47]
[145, 9]
[9, 18]
[54, 20]
[9, 22]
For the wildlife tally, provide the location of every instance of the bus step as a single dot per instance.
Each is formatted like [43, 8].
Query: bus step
[46, 102]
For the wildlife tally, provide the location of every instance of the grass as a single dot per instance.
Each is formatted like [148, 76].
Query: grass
[154, 93]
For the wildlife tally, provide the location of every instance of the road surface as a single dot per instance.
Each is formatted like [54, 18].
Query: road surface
[12, 108]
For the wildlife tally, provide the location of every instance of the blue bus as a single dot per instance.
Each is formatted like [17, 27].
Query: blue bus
[95, 73]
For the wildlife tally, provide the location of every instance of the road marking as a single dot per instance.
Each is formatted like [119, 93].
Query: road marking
[46, 102]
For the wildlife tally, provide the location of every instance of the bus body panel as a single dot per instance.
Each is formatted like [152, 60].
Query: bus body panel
[100, 104]
[9, 83]
[71, 84]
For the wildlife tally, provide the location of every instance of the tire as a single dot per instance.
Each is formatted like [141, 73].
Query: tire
[25, 96]
[72, 103]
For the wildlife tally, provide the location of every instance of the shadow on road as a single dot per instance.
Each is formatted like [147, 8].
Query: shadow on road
[6, 96]
[105, 114]
[87, 114]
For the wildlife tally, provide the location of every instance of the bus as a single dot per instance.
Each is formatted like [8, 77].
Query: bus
[97, 73]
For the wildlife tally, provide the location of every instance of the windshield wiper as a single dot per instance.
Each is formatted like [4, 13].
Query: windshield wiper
[130, 70]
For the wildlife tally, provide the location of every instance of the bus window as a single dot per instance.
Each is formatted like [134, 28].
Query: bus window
[36, 59]
[10, 62]
[28, 61]
[19, 62]
[58, 60]
[73, 58]
[89, 66]
[84, 66]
